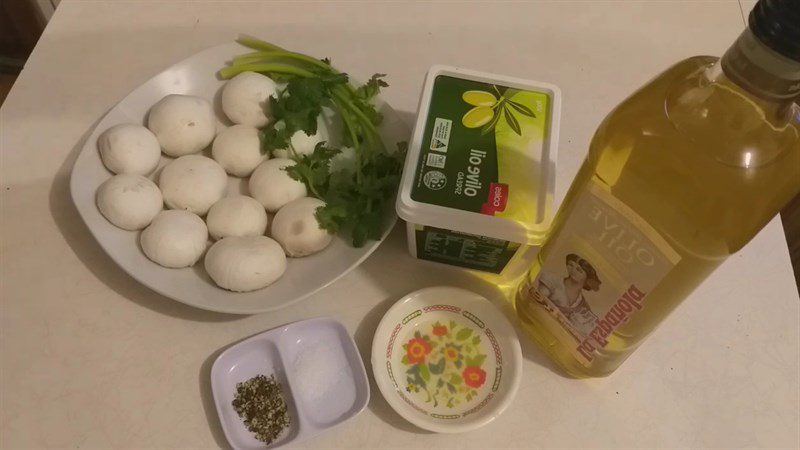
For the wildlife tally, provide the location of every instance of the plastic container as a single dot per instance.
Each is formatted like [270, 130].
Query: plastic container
[317, 398]
[479, 176]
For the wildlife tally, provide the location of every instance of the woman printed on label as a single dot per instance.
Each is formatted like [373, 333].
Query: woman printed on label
[567, 293]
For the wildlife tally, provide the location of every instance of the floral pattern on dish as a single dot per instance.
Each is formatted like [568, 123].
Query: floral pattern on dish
[444, 364]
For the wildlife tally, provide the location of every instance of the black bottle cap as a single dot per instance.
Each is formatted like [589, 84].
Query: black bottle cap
[776, 23]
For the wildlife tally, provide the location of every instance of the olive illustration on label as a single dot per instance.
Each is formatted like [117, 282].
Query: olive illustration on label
[479, 98]
[477, 117]
[488, 110]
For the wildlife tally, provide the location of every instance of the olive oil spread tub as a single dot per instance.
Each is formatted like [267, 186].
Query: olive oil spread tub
[479, 177]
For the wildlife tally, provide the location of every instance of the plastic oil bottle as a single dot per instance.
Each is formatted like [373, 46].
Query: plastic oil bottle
[678, 177]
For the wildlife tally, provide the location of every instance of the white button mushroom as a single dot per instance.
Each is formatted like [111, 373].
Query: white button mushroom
[245, 263]
[129, 148]
[183, 124]
[245, 98]
[175, 239]
[239, 215]
[238, 150]
[296, 228]
[129, 201]
[272, 186]
[304, 144]
[193, 183]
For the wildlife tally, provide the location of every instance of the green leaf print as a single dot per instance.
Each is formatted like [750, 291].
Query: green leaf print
[437, 368]
[490, 126]
[464, 334]
[424, 372]
[475, 361]
[522, 109]
[512, 121]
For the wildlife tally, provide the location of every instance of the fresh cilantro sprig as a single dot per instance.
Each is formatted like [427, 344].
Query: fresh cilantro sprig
[358, 200]
[314, 169]
[297, 107]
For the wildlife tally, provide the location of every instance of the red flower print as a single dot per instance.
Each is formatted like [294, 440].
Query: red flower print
[474, 377]
[418, 349]
[441, 330]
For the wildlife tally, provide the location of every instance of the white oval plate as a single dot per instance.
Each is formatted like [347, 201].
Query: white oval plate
[197, 75]
[446, 359]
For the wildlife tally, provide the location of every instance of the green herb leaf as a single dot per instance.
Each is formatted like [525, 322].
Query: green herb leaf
[313, 170]
[330, 217]
[297, 107]
[363, 200]
[371, 88]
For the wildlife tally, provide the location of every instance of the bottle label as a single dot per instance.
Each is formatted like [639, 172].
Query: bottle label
[598, 271]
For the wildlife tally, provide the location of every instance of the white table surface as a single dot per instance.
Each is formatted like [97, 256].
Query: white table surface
[90, 358]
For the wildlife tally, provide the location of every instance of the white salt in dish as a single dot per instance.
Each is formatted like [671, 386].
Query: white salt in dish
[321, 373]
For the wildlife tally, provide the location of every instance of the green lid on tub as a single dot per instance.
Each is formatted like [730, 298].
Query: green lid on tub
[482, 156]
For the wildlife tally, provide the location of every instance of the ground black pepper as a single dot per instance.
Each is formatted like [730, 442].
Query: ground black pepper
[259, 402]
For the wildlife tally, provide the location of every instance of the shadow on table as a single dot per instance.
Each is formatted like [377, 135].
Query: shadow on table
[80, 239]
[397, 273]
[207, 398]
[408, 118]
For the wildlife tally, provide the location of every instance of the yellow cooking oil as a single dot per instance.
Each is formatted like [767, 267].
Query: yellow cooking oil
[691, 167]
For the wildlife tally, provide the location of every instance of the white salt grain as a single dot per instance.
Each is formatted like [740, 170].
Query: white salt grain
[318, 369]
